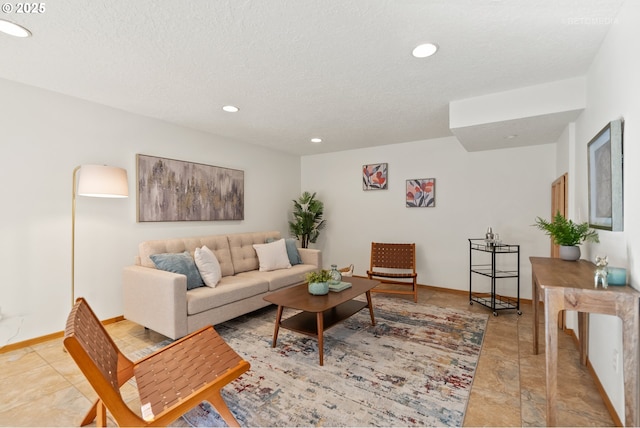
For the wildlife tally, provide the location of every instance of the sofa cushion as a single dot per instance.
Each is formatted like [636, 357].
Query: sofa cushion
[230, 289]
[243, 255]
[272, 256]
[208, 266]
[280, 278]
[181, 263]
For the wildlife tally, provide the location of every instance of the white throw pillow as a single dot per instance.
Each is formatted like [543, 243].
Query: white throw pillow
[272, 256]
[208, 266]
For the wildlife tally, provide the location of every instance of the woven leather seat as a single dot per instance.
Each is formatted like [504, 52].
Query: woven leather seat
[394, 264]
[171, 381]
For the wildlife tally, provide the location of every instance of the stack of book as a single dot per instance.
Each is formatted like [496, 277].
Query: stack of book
[339, 286]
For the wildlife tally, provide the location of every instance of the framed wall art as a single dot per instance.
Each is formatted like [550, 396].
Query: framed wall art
[374, 176]
[174, 190]
[605, 178]
[421, 193]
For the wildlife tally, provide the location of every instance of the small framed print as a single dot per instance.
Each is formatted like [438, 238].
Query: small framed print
[374, 176]
[421, 193]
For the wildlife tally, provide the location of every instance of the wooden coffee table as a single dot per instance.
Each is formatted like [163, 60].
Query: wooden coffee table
[320, 313]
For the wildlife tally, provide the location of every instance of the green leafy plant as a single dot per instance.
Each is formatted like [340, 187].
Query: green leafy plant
[565, 232]
[307, 219]
[319, 276]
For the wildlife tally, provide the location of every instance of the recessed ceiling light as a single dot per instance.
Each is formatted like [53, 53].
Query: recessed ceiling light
[511, 137]
[316, 140]
[425, 50]
[230, 109]
[13, 29]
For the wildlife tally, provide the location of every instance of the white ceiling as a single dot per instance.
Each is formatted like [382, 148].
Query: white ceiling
[341, 70]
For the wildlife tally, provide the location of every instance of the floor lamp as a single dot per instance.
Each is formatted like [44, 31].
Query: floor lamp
[98, 181]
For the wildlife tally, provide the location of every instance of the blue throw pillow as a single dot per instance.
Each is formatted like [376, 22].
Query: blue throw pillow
[292, 250]
[179, 263]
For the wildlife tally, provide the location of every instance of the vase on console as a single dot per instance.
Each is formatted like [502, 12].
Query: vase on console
[569, 252]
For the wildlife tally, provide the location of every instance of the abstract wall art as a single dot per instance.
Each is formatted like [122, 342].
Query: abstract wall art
[174, 190]
[605, 178]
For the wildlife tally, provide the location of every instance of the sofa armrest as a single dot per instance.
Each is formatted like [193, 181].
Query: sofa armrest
[310, 256]
[155, 299]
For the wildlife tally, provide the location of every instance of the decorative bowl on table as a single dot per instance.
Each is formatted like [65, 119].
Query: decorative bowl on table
[318, 282]
[318, 288]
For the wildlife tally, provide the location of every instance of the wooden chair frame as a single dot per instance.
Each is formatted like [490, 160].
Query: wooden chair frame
[394, 264]
[171, 381]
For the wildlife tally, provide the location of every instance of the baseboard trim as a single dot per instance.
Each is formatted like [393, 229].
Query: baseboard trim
[41, 339]
[451, 290]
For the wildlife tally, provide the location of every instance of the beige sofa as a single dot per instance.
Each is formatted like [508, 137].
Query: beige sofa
[160, 301]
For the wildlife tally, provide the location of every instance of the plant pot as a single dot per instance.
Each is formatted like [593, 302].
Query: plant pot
[570, 253]
[318, 288]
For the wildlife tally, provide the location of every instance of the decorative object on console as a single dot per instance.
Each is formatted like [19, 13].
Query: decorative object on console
[307, 219]
[173, 190]
[616, 276]
[600, 274]
[567, 234]
[421, 192]
[98, 181]
[374, 176]
[318, 282]
[605, 178]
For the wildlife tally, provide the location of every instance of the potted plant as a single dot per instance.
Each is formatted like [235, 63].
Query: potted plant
[567, 234]
[318, 282]
[307, 219]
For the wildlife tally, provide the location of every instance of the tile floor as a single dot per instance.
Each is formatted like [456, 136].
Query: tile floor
[41, 386]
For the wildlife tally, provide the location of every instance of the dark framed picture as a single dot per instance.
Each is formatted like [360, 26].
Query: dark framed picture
[605, 178]
[374, 176]
[421, 193]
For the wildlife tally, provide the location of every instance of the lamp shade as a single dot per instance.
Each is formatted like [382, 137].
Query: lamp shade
[103, 181]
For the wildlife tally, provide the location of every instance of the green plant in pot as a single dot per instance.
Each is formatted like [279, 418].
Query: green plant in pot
[567, 234]
[307, 219]
[318, 282]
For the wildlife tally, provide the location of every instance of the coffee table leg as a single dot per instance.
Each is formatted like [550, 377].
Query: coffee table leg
[320, 321]
[277, 327]
[373, 320]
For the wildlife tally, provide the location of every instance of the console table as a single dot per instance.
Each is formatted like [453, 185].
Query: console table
[565, 285]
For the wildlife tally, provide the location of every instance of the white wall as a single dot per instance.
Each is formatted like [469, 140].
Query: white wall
[504, 189]
[44, 136]
[613, 91]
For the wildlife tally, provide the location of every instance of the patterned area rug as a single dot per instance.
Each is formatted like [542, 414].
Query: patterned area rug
[414, 368]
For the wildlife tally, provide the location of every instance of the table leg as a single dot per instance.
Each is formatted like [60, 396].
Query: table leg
[630, 349]
[583, 327]
[277, 327]
[373, 319]
[552, 307]
[536, 317]
[319, 318]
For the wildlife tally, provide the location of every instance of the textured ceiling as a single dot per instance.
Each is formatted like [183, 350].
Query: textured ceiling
[341, 70]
